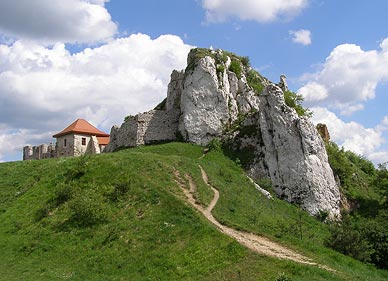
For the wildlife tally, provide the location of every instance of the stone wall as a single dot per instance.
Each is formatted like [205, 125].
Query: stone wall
[145, 128]
[38, 152]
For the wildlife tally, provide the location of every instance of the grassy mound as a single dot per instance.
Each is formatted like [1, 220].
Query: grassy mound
[122, 216]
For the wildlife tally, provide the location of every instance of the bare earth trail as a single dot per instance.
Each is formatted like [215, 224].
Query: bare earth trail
[252, 241]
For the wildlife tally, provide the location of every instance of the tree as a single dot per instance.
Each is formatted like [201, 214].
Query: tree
[295, 100]
[381, 182]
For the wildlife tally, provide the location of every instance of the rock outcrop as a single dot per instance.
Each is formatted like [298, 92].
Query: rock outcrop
[220, 96]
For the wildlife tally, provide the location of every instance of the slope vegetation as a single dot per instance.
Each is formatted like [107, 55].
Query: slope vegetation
[123, 216]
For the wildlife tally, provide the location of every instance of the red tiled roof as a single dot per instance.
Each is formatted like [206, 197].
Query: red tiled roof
[103, 140]
[83, 127]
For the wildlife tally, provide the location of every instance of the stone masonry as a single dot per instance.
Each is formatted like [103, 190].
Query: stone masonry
[145, 128]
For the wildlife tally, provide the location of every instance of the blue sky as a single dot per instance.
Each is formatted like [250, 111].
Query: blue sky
[102, 60]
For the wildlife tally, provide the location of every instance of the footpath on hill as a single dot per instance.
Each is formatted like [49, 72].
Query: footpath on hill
[252, 241]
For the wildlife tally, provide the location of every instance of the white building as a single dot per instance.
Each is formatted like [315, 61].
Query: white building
[80, 137]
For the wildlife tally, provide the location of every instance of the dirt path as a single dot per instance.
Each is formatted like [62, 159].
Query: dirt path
[252, 241]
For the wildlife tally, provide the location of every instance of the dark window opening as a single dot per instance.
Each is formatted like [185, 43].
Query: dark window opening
[83, 141]
[64, 142]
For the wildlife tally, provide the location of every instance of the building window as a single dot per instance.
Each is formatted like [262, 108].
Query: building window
[64, 142]
[83, 141]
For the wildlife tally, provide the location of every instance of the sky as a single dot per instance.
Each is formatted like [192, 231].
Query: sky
[101, 60]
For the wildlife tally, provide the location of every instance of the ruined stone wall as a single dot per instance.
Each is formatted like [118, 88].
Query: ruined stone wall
[145, 128]
[38, 152]
[157, 125]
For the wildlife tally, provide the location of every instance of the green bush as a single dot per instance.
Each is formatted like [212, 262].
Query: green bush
[88, 208]
[63, 193]
[220, 69]
[245, 61]
[346, 237]
[119, 190]
[255, 81]
[235, 66]
[295, 101]
[77, 168]
[215, 145]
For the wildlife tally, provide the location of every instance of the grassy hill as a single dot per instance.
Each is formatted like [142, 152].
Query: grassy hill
[122, 216]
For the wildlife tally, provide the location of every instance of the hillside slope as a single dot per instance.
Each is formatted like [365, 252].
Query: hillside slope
[122, 216]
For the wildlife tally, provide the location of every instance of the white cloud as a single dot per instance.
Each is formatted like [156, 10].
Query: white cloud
[352, 135]
[349, 75]
[379, 157]
[385, 121]
[50, 21]
[43, 89]
[302, 36]
[257, 10]
[313, 92]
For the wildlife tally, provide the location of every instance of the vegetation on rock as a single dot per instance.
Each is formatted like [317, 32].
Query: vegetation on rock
[294, 101]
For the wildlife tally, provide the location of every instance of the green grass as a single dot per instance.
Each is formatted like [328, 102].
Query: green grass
[144, 229]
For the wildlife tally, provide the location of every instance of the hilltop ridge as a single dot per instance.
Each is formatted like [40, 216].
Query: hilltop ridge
[220, 96]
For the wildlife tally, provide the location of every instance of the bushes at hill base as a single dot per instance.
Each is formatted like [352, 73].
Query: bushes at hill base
[362, 239]
[363, 232]
[348, 238]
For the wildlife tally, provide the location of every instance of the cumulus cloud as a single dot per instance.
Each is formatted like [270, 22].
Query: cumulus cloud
[348, 78]
[50, 21]
[302, 36]
[257, 10]
[313, 92]
[354, 136]
[43, 89]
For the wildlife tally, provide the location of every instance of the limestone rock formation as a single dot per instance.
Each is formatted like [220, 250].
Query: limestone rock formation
[220, 96]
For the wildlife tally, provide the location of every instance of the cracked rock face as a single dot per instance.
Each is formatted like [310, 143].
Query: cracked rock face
[294, 156]
[285, 147]
[205, 103]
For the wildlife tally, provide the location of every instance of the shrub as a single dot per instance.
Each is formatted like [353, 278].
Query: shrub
[346, 238]
[77, 168]
[322, 215]
[245, 61]
[220, 69]
[63, 194]
[295, 101]
[88, 208]
[119, 190]
[254, 81]
[215, 145]
[235, 67]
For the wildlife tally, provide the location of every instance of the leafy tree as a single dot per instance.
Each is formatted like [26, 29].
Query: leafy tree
[376, 233]
[381, 182]
[361, 162]
[295, 100]
[347, 238]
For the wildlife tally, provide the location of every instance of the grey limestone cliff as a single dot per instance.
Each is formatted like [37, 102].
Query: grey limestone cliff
[220, 96]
